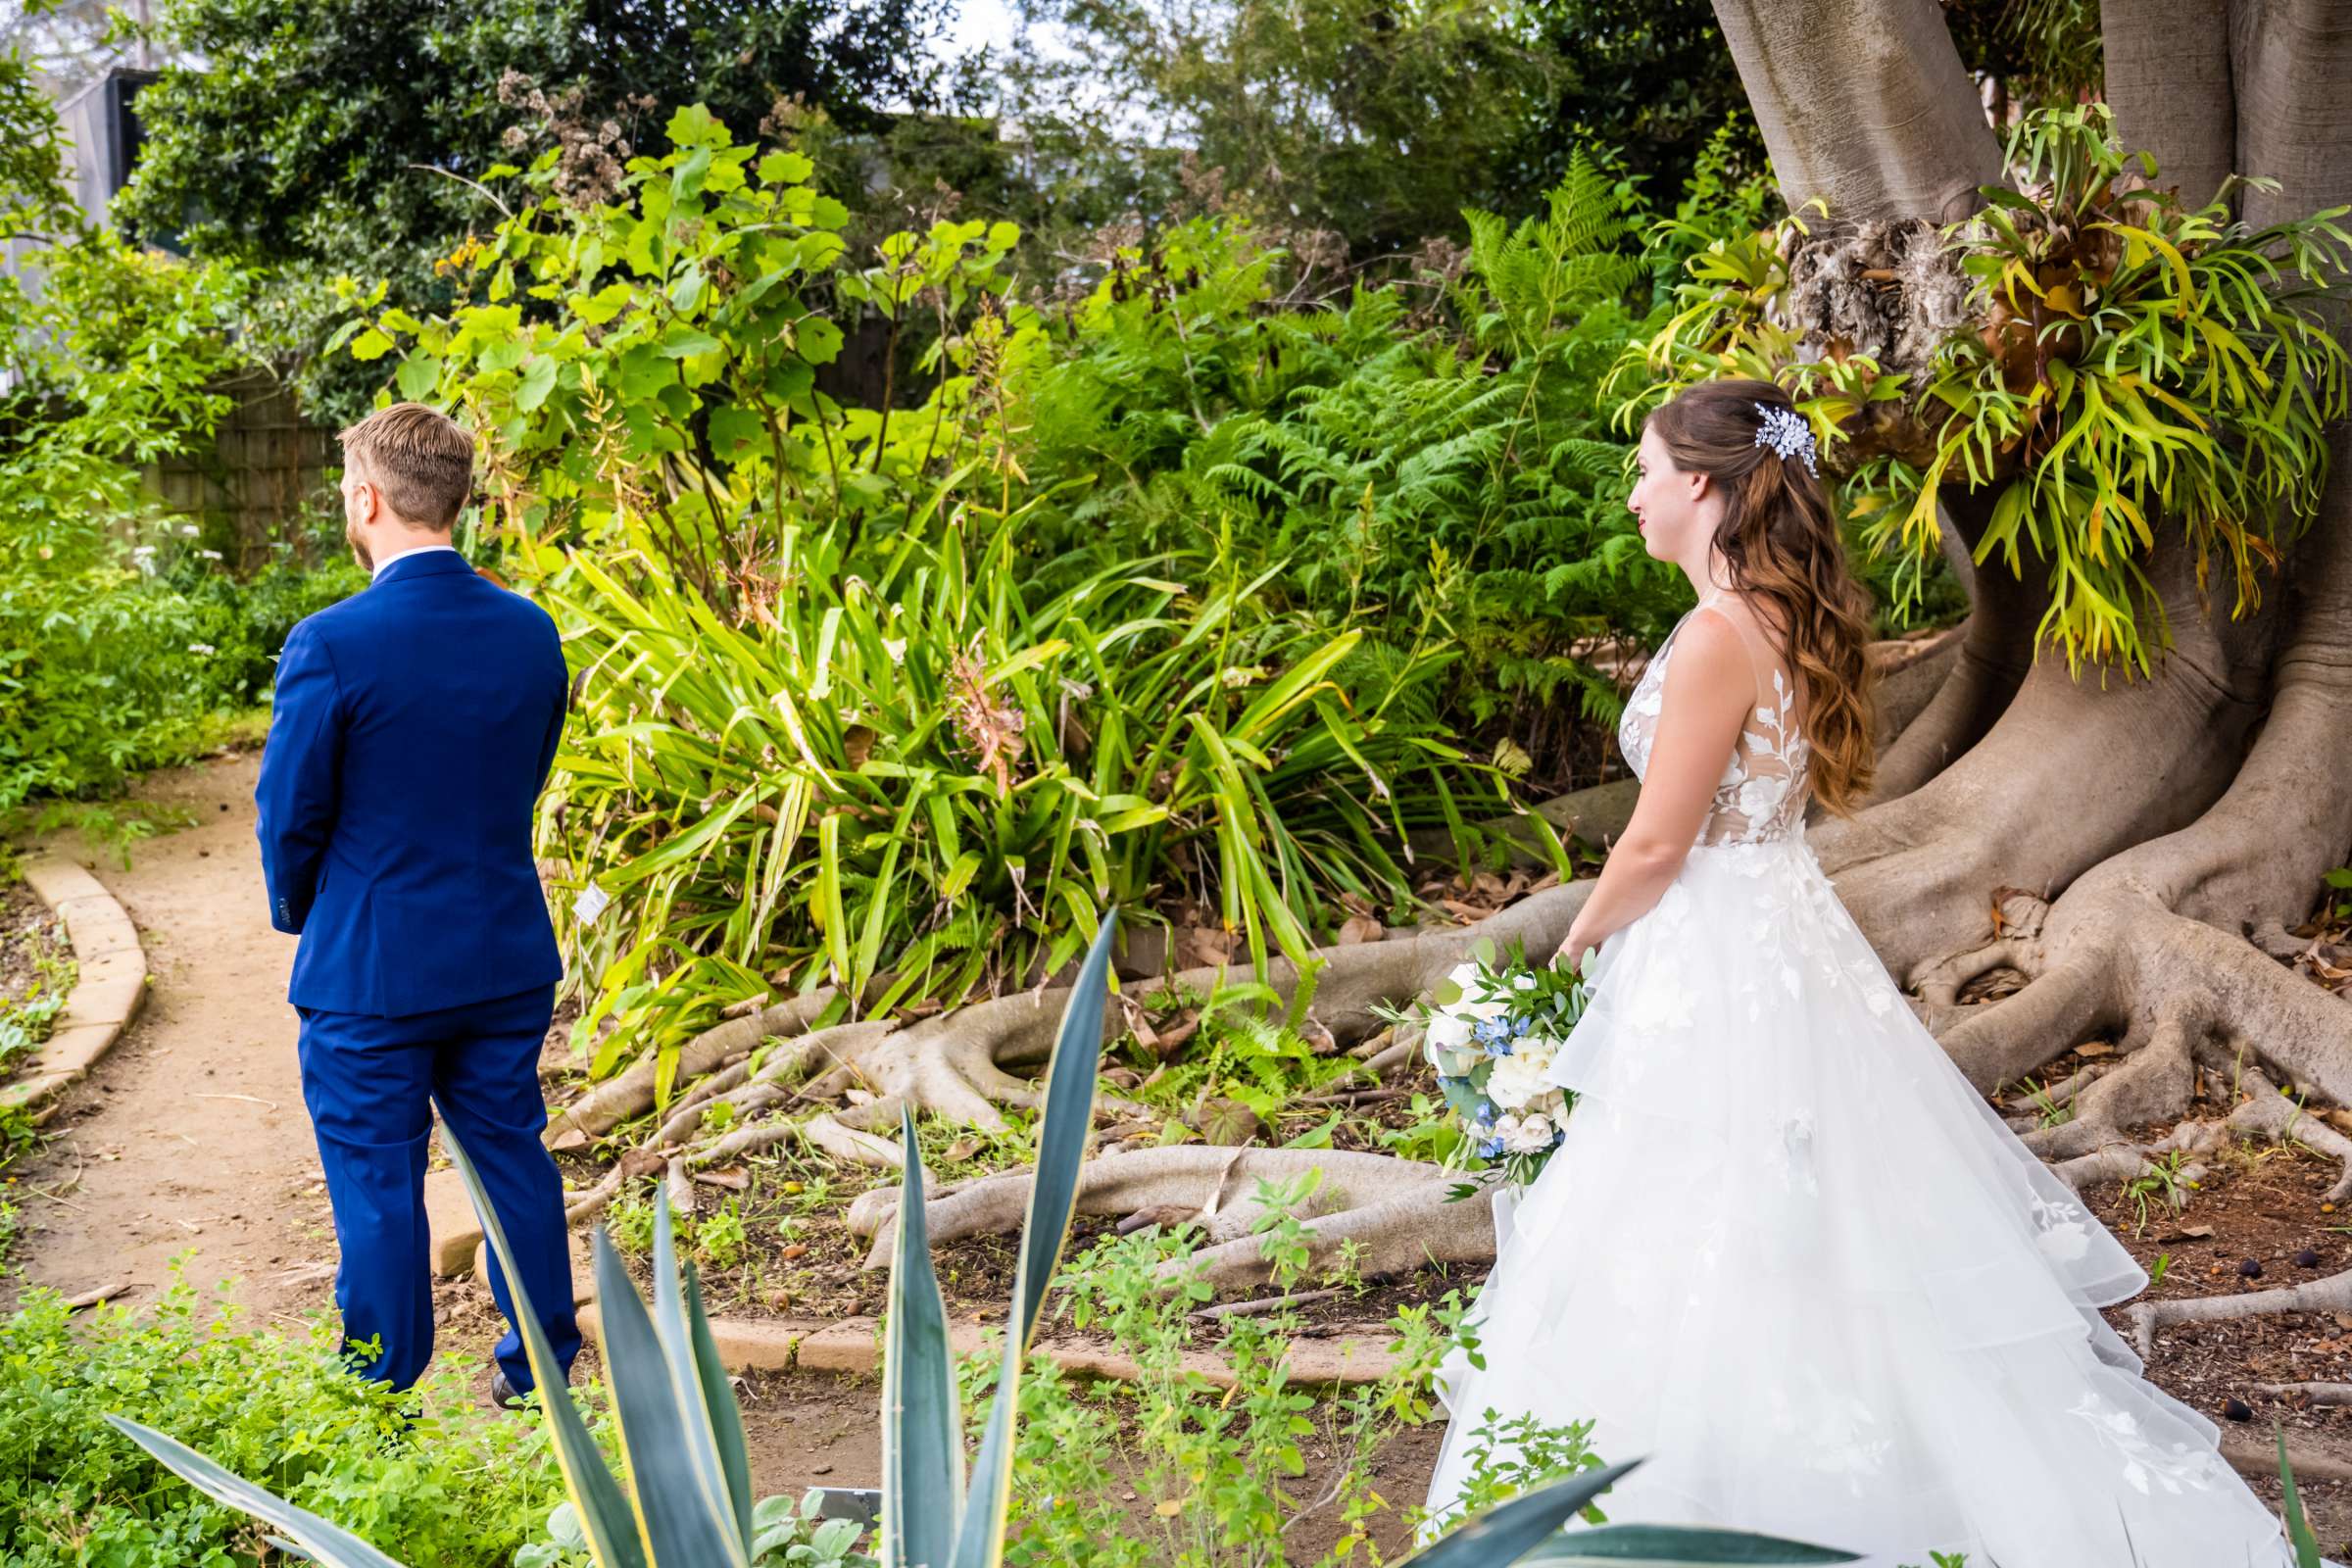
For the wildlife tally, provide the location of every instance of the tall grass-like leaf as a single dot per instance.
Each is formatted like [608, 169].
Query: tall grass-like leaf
[922, 1432]
[328, 1544]
[718, 1398]
[1061, 1140]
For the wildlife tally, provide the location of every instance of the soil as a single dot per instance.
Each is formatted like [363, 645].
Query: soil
[189, 1144]
[26, 930]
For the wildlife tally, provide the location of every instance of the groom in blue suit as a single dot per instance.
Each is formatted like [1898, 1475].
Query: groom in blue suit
[412, 730]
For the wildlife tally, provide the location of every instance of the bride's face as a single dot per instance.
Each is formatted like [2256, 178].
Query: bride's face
[1668, 504]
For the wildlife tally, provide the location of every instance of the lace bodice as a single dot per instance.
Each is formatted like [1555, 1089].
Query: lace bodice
[1761, 796]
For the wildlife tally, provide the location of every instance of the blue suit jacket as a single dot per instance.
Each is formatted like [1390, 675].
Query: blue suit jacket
[412, 729]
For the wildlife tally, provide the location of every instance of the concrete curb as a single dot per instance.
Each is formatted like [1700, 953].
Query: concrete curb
[854, 1346]
[108, 990]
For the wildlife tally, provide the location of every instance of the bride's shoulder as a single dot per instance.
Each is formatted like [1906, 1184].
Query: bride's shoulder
[1709, 651]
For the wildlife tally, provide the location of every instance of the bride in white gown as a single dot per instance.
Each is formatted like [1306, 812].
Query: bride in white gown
[1785, 1251]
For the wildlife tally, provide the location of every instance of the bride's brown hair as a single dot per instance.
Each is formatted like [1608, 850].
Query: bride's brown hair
[1783, 548]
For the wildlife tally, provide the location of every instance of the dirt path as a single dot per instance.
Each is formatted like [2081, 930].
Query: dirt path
[190, 1138]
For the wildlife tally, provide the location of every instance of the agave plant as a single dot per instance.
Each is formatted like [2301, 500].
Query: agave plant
[687, 1501]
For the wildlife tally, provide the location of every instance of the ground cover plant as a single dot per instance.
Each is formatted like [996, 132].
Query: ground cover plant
[425, 1472]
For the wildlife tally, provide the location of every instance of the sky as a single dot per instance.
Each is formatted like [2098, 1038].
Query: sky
[983, 22]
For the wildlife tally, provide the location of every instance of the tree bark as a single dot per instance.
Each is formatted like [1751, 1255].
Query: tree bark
[1867, 106]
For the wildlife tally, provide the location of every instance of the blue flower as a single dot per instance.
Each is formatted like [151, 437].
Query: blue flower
[1489, 1149]
[1492, 1032]
[1521, 1024]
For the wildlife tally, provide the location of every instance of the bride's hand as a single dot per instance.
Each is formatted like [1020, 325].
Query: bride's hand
[1571, 956]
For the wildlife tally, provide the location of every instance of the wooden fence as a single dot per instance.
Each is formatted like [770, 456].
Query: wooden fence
[266, 467]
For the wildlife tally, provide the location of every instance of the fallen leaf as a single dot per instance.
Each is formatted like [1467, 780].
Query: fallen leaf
[1359, 928]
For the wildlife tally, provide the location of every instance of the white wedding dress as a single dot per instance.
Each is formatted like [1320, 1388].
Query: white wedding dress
[1791, 1257]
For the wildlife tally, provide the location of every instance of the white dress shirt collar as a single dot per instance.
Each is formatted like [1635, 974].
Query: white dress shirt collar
[403, 555]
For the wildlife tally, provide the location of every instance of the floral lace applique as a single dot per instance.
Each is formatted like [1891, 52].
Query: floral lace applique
[1761, 797]
[2176, 1467]
[2058, 1229]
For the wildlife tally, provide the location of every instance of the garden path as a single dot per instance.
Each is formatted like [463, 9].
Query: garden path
[190, 1136]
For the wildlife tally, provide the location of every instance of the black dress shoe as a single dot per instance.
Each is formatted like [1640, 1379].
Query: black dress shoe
[502, 1392]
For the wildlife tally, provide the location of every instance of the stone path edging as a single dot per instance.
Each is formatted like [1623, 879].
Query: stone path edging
[109, 984]
[854, 1346]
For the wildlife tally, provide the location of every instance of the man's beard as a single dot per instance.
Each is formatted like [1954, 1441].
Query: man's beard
[359, 547]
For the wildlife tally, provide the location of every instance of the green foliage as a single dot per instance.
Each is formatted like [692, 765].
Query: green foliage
[422, 1472]
[1439, 465]
[328, 139]
[121, 640]
[1374, 119]
[2128, 362]
[30, 1016]
[784, 1535]
[860, 709]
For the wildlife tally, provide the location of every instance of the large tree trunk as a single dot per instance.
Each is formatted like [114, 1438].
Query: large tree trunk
[2154, 823]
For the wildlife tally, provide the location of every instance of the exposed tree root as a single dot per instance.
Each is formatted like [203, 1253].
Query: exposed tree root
[2331, 1295]
[1396, 1209]
[2312, 1393]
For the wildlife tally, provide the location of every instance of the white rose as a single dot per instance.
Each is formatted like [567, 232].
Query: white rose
[1457, 1063]
[1514, 1084]
[1531, 1136]
[1448, 1029]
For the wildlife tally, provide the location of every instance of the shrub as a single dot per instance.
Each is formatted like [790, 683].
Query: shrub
[423, 1472]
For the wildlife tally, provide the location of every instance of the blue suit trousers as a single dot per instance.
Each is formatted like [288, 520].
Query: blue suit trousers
[370, 1084]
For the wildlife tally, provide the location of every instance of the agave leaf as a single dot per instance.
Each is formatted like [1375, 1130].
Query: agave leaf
[683, 1526]
[697, 1415]
[1508, 1531]
[606, 1517]
[719, 1398]
[328, 1544]
[1676, 1547]
[922, 1435]
[1061, 1140]
[2298, 1524]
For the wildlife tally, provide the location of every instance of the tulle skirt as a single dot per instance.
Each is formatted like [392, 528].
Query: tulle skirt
[1791, 1257]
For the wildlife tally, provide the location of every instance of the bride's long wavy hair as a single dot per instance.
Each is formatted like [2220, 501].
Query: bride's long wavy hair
[1781, 542]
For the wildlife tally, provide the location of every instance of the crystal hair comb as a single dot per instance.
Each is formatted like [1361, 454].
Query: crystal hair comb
[1784, 431]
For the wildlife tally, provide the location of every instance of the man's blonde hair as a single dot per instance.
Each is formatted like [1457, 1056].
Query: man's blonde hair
[420, 458]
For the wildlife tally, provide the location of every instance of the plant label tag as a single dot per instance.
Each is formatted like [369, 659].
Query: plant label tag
[592, 901]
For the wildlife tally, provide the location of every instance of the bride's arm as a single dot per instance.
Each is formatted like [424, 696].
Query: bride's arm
[1709, 687]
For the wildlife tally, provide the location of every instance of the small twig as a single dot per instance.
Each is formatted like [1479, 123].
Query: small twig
[485, 190]
[74, 1304]
[251, 1099]
[56, 1197]
[1354, 1096]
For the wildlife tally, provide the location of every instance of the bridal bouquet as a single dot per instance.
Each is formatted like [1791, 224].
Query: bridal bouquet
[1491, 1030]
